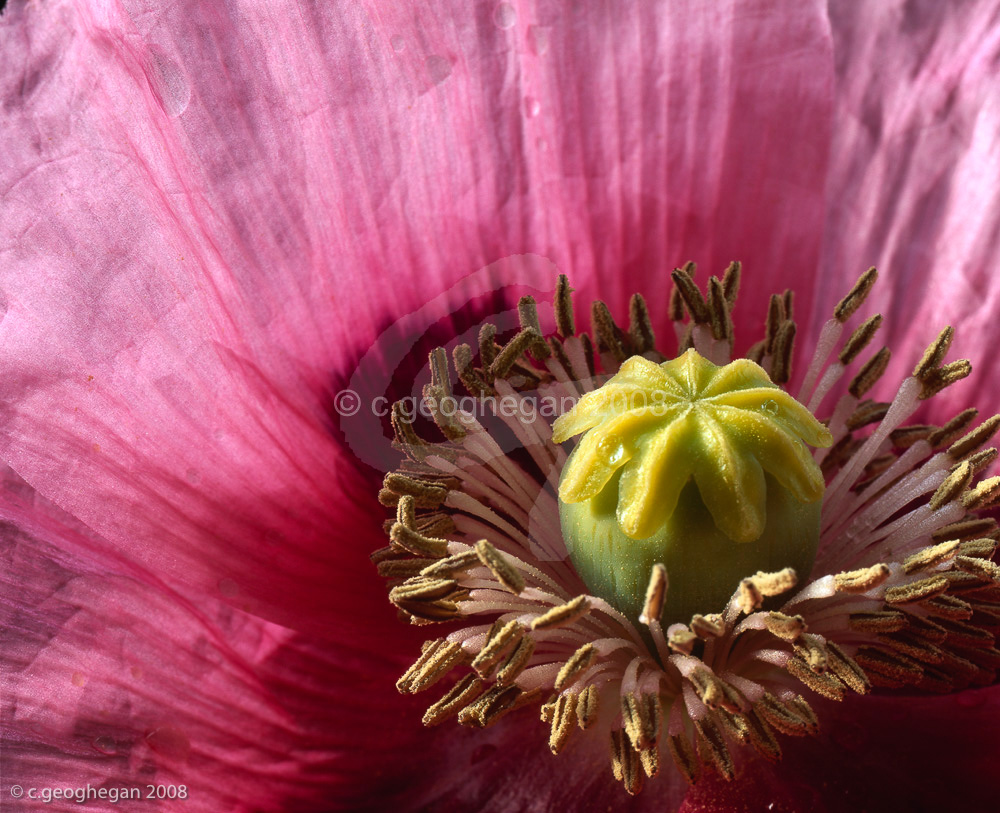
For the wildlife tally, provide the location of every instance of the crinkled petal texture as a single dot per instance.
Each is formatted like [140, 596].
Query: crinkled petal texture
[212, 213]
[114, 681]
[913, 176]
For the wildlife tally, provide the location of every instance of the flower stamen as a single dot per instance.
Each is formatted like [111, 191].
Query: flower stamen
[903, 593]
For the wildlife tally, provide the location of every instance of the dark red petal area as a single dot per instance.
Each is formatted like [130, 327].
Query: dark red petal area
[875, 755]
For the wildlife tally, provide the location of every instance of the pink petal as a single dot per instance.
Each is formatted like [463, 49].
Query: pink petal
[913, 185]
[114, 681]
[210, 214]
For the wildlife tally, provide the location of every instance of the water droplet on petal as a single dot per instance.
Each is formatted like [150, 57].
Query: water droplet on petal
[228, 588]
[438, 68]
[398, 44]
[770, 407]
[505, 16]
[169, 741]
[168, 82]
[538, 39]
[612, 450]
[106, 745]
[532, 107]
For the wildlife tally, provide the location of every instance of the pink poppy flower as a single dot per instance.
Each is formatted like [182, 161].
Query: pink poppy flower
[216, 220]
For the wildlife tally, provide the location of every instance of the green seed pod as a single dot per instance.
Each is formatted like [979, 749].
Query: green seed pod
[700, 467]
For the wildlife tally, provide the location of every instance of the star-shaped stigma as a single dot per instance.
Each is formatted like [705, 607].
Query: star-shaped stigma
[663, 424]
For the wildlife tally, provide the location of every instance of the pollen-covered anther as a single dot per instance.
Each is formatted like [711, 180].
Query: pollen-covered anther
[642, 717]
[847, 306]
[985, 495]
[712, 748]
[471, 377]
[527, 312]
[932, 374]
[870, 373]
[713, 691]
[428, 600]
[682, 640]
[974, 439]
[464, 692]
[416, 543]
[930, 557]
[860, 339]
[952, 486]
[587, 707]
[812, 649]
[862, 580]
[708, 626]
[792, 719]
[689, 293]
[563, 307]
[490, 707]
[683, 754]
[761, 736]
[656, 594]
[609, 335]
[786, 627]
[983, 568]
[888, 670]
[404, 568]
[435, 662]
[943, 377]
[822, 683]
[499, 641]
[882, 622]
[847, 669]
[516, 661]
[981, 548]
[425, 494]
[949, 607]
[451, 565]
[752, 591]
[512, 352]
[498, 564]
[650, 760]
[640, 328]
[562, 614]
[966, 529]
[935, 353]
[719, 318]
[574, 667]
[625, 763]
[563, 719]
[919, 590]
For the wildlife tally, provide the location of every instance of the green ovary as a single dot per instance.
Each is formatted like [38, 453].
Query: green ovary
[703, 564]
[699, 467]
